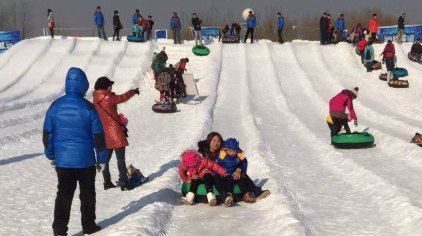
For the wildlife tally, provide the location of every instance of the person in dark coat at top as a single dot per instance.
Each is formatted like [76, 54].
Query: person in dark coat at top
[323, 26]
[99, 22]
[400, 26]
[117, 25]
[150, 24]
[251, 25]
[72, 131]
[196, 23]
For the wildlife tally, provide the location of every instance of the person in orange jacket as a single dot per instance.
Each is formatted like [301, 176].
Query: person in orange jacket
[373, 26]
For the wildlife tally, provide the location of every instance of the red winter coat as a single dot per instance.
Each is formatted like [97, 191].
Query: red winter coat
[181, 66]
[373, 25]
[205, 166]
[362, 44]
[114, 135]
[389, 50]
[143, 23]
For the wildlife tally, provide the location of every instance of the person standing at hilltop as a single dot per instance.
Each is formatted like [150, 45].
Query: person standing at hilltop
[196, 23]
[51, 24]
[176, 25]
[400, 26]
[251, 25]
[280, 27]
[99, 22]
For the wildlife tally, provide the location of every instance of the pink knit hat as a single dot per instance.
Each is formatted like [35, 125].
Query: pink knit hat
[191, 157]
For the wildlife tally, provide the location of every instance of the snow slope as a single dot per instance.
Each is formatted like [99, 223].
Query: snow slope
[271, 97]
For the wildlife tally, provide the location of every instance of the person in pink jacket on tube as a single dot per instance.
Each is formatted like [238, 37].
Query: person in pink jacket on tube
[338, 114]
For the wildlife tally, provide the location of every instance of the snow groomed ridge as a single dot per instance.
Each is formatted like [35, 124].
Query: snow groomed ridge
[272, 97]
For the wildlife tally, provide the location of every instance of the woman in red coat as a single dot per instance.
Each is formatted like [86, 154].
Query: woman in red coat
[105, 103]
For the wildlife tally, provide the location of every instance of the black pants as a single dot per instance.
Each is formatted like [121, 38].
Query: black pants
[369, 66]
[337, 124]
[68, 178]
[249, 30]
[251, 187]
[116, 33]
[244, 185]
[324, 37]
[280, 39]
[51, 32]
[374, 35]
[389, 62]
[121, 165]
[207, 180]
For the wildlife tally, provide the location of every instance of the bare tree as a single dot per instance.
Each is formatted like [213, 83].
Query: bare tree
[15, 17]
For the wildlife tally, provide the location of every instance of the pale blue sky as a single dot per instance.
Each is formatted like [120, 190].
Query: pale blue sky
[78, 13]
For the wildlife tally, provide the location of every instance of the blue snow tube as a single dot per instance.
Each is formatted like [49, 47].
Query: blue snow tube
[400, 72]
[135, 39]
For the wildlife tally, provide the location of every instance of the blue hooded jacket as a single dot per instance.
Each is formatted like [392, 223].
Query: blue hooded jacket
[280, 22]
[175, 22]
[251, 22]
[135, 19]
[98, 18]
[72, 127]
[340, 24]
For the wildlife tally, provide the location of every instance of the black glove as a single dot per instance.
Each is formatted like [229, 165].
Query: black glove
[356, 123]
[136, 91]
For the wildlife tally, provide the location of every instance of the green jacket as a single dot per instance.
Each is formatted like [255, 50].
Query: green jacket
[371, 51]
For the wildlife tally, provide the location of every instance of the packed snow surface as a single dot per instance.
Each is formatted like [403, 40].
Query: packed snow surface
[271, 97]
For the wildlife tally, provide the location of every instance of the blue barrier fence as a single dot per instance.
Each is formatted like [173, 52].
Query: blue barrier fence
[411, 33]
[8, 39]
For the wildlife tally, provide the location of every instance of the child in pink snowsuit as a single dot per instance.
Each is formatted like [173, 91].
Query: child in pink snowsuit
[197, 170]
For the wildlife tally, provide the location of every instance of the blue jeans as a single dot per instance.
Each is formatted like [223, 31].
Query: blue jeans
[100, 29]
[121, 165]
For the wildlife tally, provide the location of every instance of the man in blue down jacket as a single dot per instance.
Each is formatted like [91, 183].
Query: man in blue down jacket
[251, 24]
[72, 129]
[99, 22]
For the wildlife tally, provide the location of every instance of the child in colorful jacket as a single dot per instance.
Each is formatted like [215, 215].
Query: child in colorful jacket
[388, 56]
[195, 169]
[234, 161]
[338, 113]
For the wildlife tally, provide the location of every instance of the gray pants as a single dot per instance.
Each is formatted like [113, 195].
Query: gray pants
[198, 36]
[176, 36]
[400, 35]
[100, 29]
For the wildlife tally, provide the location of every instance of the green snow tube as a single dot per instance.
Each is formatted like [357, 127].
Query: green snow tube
[354, 140]
[200, 50]
[201, 194]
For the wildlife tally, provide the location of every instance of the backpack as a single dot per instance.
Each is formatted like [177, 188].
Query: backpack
[368, 55]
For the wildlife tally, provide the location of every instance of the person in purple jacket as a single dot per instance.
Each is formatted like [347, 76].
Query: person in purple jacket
[338, 113]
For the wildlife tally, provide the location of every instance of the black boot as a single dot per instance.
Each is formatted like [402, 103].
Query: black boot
[93, 230]
[125, 186]
[108, 185]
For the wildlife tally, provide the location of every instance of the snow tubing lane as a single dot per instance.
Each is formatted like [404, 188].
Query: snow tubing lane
[413, 58]
[135, 39]
[201, 193]
[164, 107]
[354, 140]
[400, 72]
[200, 50]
